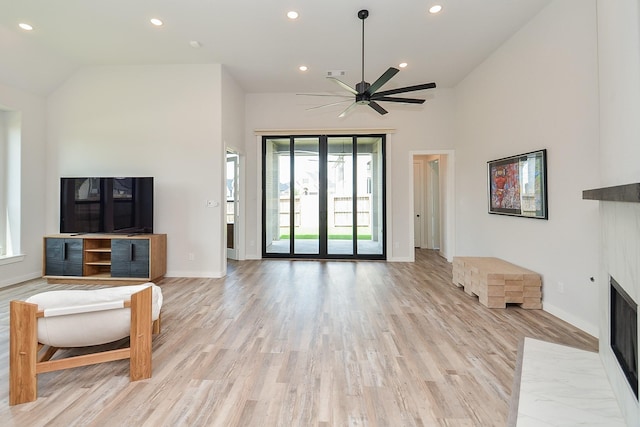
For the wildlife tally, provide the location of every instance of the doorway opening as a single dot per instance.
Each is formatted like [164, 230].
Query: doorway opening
[433, 209]
[323, 197]
[232, 203]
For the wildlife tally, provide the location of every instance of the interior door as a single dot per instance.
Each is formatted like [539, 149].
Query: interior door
[433, 196]
[418, 217]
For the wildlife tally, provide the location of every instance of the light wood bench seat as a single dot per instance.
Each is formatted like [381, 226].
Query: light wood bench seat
[497, 283]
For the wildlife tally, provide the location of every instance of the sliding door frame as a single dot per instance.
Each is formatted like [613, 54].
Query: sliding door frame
[323, 198]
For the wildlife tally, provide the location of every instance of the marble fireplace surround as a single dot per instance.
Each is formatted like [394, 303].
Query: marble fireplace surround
[620, 259]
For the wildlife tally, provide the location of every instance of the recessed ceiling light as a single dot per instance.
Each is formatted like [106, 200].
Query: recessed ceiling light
[303, 68]
[195, 44]
[155, 21]
[25, 26]
[403, 65]
[292, 14]
[435, 8]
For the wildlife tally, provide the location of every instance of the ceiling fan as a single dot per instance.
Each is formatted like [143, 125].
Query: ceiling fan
[367, 94]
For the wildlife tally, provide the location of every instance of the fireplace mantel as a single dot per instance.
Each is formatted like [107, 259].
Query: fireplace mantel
[619, 193]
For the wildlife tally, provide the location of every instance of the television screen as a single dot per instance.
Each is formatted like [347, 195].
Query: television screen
[106, 205]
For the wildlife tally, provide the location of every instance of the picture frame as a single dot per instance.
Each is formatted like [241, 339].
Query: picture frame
[518, 185]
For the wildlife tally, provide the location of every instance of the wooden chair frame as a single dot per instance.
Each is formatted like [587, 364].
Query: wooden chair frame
[25, 365]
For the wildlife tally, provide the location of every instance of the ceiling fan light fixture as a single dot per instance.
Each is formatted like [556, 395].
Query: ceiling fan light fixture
[436, 8]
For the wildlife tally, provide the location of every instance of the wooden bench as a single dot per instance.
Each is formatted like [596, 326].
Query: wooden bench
[497, 282]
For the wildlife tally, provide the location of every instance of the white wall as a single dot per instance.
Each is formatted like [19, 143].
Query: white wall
[160, 121]
[619, 61]
[233, 109]
[429, 126]
[538, 90]
[32, 177]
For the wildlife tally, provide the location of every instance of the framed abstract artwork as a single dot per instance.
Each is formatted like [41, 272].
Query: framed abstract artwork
[518, 185]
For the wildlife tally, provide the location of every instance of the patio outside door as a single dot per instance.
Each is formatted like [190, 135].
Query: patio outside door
[323, 197]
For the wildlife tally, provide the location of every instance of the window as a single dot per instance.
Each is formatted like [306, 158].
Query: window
[9, 183]
[3, 182]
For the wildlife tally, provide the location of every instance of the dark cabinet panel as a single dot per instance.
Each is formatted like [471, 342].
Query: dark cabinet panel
[129, 258]
[63, 257]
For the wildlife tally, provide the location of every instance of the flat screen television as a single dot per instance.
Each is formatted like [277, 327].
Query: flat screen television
[106, 205]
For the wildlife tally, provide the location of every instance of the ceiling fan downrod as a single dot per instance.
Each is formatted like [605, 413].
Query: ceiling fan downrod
[363, 14]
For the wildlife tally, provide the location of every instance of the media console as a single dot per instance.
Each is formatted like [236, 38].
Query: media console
[111, 259]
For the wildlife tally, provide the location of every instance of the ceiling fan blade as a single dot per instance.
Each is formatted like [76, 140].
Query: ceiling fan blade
[382, 80]
[344, 85]
[377, 107]
[407, 89]
[327, 105]
[346, 111]
[396, 99]
[334, 95]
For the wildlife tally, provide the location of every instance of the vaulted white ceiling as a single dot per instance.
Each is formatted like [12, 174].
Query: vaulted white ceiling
[255, 40]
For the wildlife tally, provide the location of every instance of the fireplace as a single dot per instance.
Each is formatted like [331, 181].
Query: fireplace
[619, 291]
[624, 333]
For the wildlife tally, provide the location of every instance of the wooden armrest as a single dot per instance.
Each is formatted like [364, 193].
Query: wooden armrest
[86, 308]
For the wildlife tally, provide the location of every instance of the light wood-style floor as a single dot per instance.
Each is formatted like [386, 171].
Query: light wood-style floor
[304, 343]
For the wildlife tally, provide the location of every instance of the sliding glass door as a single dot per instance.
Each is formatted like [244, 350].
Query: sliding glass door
[323, 197]
[340, 172]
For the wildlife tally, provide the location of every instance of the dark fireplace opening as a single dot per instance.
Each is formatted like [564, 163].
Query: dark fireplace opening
[624, 333]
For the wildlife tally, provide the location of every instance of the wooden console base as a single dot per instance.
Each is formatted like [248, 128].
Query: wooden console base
[108, 259]
[497, 282]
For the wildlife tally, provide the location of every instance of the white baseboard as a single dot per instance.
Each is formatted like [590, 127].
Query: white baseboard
[400, 259]
[203, 274]
[578, 323]
[19, 279]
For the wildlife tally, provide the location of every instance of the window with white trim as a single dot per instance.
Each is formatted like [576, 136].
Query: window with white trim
[3, 182]
[9, 183]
